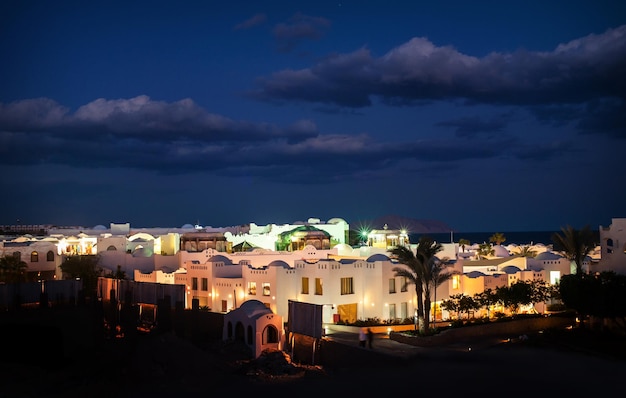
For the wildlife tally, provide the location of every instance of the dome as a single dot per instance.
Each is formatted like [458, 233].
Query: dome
[377, 257]
[500, 251]
[545, 256]
[100, 227]
[254, 309]
[278, 263]
[475, 274]
[187, 226]
[217, 258]
[510, 269]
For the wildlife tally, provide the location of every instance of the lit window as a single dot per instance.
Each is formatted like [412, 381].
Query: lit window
[347, 286]
[305, 285]
[252, 288]
[318, 286]
[266, 289]
[34, 257]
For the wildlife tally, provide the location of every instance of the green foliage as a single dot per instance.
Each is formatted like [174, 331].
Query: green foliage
[84, 267]
[12, 269]
[602, 294]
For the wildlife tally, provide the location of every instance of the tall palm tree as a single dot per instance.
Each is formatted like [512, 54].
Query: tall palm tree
[412, 271]
[575, 244]
[418, 270]
[427, 250]
[497, 238]
[463, 243]
[439, 276]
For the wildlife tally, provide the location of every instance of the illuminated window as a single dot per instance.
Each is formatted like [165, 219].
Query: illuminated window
[266, 289]
[405, 285]
[194, 283]
[392, 311]
[456, 281]
[318, 286]
[347, 286]
[252, 288]
[205, 284]
[392, 285]
[305, 285]
[34, 257]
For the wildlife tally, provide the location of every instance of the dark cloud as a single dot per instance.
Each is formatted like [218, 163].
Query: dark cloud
[583, 70]
[180, 137]
[299, 27]
[471, 126]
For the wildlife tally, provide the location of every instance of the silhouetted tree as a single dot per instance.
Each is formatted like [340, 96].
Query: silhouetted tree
[574, 245]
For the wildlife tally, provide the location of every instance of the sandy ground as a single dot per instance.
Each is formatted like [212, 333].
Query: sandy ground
[162, 365]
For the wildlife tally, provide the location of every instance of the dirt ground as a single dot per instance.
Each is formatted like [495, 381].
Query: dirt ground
[163, 365]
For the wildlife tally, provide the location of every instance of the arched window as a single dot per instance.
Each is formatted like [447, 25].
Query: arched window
[111, 248]
[17, 255]
[50, 255]
[34, 257]
[270, 335]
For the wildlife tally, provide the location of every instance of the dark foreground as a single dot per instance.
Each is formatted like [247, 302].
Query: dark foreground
[160, 364]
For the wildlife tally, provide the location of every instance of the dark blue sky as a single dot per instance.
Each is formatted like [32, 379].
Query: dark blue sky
[486, 115]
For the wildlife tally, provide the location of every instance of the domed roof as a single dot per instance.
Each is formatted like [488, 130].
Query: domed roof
[510, 269]
[377, 257]
[187, 226]
[547, 255]
[278, 263]
[100, 227]
[500, 251]
[475, 274]
[217, 258]
[254, 308]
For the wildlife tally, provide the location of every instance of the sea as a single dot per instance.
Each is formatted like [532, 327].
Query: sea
[519, 238]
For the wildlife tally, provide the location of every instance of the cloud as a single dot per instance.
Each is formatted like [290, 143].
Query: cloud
[418, 72]
[299, 27]
[180, 137]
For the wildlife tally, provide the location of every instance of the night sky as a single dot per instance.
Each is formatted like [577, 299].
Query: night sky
[486, 115]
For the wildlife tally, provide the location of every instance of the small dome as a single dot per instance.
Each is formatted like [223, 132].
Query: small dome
[510, 269]
[278, 263]
[377, 257]
[475, 274]
[500, 251]
[218, 258]
[545, 256]
[100, 227]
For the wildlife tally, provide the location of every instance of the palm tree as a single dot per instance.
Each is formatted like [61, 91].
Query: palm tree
[418, 270]
[497, 238]
[412, 272]
[439, 276]
[463, 243]
[427, 250]
[485, 250]
[525, 251]
[575, 245]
